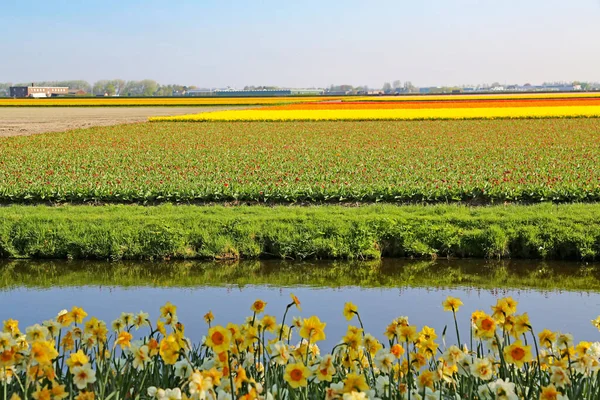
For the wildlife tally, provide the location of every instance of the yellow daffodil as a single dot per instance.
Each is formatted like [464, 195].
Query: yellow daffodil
[42, 393]
[169, 349]
[77, 360]
[485, 327]
[11, 326]
[452, 304]
[296, 375]
[313, 329]
[407, 333]
[517, 354]
[258, 306]
[58, 392]
[209, 317]
[296, 301]
[85, 395]
[168, 310]
[551, 393]
[123, 339]
[547, 338]
[350, 310]
[521, 325]
[269, 323]
[78, 314]
[218, 339]
[43, 352]
[355, 383]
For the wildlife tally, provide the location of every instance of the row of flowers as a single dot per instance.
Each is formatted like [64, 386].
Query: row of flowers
[75, 357]
[387, 114]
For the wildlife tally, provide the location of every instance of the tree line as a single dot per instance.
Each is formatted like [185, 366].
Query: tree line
[111, 87]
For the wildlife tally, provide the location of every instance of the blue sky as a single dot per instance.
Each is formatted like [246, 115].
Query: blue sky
[301, 43]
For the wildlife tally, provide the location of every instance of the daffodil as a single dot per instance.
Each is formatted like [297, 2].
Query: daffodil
[123, 339]
[452, 304]
[209, 317]
[258, 306]
[325, 369]
[85, 395]
[77, 359]
[551, 393]
[58, 392]
[313, 329]
[199, 384]
[218, 339]
[296, 375]
[384, 360]
[141, 356]
[42, 393]
[169, 349]
[78, 314]
[141, 319]
[83, 375]
[355, 383]
[295, 301]
[407, 333]
[482, 368]
[517, 353]
[350, 310]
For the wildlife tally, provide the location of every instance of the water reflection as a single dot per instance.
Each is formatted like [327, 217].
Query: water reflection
[561, 297]
[494, 275]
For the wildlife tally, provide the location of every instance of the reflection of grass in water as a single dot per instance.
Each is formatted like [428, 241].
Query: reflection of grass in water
[388, 273]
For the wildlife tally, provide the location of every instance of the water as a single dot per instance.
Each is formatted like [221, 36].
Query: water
[562, 297]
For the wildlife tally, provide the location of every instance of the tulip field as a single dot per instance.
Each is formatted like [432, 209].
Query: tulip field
[474, 161]
[411, 108]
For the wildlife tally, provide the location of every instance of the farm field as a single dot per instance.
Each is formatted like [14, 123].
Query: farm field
[180, 101]
[424, 108]
[477, 162]
[28, 121]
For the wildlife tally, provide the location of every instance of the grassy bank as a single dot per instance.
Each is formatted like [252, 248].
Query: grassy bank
[215, 232]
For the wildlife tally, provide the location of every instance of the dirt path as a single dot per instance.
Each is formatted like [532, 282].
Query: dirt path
[30, 120]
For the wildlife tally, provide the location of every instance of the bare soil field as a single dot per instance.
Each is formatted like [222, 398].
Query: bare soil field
[29, 120]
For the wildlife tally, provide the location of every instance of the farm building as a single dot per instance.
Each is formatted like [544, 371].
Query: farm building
[38, 91]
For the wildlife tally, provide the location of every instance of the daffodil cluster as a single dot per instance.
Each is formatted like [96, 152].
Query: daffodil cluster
[76, 357]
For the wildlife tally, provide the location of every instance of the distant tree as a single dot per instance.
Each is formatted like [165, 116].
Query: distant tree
[99, 87]
[387, 87]
[409, 87]
[110, 89]
[5, 89]
[396, 84]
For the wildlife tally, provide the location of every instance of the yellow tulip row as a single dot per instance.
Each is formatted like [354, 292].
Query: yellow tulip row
[499, 96]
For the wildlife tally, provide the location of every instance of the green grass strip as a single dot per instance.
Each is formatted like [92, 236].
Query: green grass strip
[116, 232]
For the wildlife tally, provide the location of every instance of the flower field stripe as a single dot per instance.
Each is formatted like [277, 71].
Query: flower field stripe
[357, 105]
[267, 114]
[486, 96]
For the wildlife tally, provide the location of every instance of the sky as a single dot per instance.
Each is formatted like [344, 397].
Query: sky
[301, 43]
